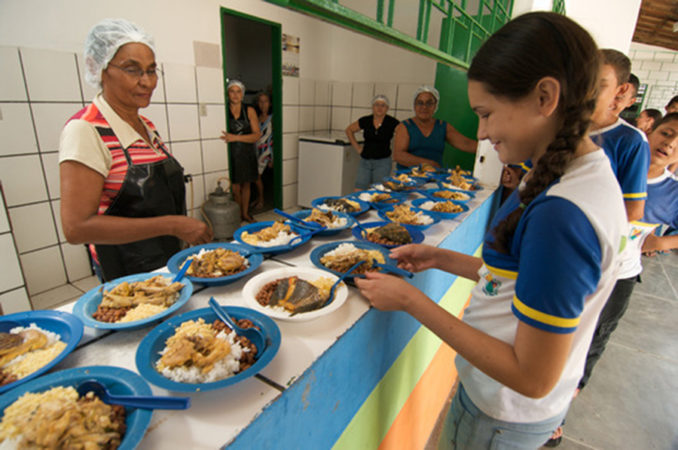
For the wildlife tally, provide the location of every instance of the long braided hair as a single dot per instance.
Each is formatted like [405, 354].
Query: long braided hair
[511, 63]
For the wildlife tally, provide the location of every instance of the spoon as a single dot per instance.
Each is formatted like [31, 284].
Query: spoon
[303, 223]
[255, 336]
[330, 299]
[7, 325]
[132, 401]
[183, 270]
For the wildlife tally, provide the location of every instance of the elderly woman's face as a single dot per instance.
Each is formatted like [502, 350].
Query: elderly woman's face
[379, 108]
[130, 77]
[425, 105]
[264, 103]
[235, 94]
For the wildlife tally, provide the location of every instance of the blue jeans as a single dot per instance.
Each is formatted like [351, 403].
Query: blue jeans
[467, 427]
[372, 171]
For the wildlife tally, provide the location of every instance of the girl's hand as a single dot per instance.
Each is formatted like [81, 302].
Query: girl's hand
[415, 257]
[386, 292]
[228, 137]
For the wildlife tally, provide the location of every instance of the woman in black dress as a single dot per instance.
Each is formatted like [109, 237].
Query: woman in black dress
[243, 132]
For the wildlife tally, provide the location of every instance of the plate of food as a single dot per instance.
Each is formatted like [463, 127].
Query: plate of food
[406, 180]
[195, 351]
[388, 234]
[338, 257]
[334, 221]
[405, 215]
[294, 293]
[378, 199]
[443, 209]
[448, 194]
[41, 341]
[389, 185]
[350, 205]
[50, 410]
[216, 263]
[133, 301]
[270, 236]
[455, 181]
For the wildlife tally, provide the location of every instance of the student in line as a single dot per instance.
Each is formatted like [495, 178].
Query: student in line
[552, 252]
[647, 119]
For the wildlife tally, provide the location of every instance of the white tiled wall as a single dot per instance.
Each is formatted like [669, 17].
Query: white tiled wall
[659, 70]
[39, 90]
[13, 296]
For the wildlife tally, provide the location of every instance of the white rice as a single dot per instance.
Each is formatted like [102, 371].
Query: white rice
[282, 238]
[11, 443]
[224, 368]
[381, 187]
[338, 222]
[342, 249]
[51, 337]
[424, 219]
[428, 205]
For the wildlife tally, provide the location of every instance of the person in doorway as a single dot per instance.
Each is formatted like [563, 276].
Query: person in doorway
[550, 260]
[375, 153]
[647, 119]
[265, 142]
[121, 191]
[421, 139]
[243, 132]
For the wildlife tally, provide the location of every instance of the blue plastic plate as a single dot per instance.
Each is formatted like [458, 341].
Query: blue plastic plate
[382, 213]
[150, 347]
[119, 381]
[318, 252]
[253, 227]
[416, 204]
[399, 196]
[330, 231]
[414, 183]
[364, 206]
[420, 179]
[177, 261]
[89, 302]
[430, 193]
[416, 235]
[66, 325]
[443, 179]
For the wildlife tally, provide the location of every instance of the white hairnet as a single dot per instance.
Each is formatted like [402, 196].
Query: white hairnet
[431, 90]
[104, 40]
[235, 83]
[382, 98]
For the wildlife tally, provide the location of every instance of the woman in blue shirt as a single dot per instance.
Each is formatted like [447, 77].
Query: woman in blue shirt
[421, 139]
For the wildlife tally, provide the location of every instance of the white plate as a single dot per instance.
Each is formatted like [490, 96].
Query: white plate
[255, 284]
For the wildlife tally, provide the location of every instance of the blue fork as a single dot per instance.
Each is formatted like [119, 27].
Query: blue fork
[304, 235]
[297, 220]
[330, 299]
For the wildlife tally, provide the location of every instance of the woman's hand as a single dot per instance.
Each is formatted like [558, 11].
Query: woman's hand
[386, 292]
[415, 257]
[192, 231]
[229, 137]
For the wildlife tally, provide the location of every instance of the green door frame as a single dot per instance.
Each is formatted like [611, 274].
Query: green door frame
[276, 79]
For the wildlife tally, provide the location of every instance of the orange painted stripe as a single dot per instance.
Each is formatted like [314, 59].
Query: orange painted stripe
[417, 418]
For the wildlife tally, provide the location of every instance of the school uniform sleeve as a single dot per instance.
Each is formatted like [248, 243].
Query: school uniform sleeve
[632, 170]
[560, 260]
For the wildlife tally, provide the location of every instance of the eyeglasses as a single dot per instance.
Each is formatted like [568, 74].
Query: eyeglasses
[428, 104]
[137, 72]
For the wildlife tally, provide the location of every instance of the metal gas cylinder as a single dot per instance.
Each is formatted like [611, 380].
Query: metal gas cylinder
[221, 213]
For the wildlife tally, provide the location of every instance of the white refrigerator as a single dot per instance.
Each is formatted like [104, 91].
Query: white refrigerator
[327, 166]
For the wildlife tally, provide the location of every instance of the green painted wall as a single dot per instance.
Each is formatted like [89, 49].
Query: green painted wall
[454, 108]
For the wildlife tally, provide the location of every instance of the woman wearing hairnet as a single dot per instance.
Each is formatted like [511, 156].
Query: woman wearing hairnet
[375, 153]
[121, 190]
[243, 132]
[421, 139]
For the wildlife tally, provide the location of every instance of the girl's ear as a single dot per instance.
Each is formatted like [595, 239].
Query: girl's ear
[548, 94]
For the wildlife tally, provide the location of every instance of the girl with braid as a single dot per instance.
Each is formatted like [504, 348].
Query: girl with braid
[551, 254]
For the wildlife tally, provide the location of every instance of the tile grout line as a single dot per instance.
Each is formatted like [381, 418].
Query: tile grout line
[675, 293]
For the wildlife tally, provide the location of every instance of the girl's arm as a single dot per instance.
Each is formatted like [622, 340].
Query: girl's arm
[418, 257]
[401, 142]
[654, 243]
[458, 140]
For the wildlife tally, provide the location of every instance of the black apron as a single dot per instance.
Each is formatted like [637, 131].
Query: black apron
[242, 157]
[148, 190]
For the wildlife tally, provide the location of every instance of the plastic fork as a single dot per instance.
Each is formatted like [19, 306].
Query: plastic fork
[393, 269]
[330, 299]
[303, 235]
[132, 401]
[301, 222]
[255, 336]
[183, 270]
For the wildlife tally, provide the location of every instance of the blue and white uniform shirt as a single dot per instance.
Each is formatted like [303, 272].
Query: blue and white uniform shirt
[661, 208]
[561, 267]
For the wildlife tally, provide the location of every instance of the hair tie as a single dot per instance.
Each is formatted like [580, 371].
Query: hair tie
[522, 205]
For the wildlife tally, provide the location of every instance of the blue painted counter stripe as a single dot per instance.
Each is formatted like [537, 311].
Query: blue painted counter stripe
[315, 410]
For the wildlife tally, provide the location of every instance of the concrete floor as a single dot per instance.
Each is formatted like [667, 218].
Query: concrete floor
[631, 401]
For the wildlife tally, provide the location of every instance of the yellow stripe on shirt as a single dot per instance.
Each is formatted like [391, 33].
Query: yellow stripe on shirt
[636, 196]
[543, 317]
[510, 274]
